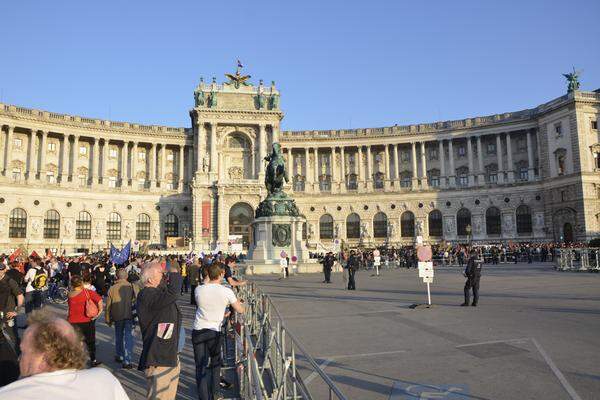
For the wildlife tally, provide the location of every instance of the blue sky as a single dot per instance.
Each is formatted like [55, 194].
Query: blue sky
[338, 64]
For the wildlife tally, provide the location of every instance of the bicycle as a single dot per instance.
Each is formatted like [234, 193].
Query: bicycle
[57, 293]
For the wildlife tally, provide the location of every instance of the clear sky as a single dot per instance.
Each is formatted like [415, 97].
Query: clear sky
[338, 64]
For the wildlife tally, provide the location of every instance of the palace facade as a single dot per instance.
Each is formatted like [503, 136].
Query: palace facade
[71, 183]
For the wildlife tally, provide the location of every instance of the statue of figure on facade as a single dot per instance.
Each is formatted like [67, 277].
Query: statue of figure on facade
[199, 97]
[205, 162]
[260, 100]
[274, 102]
[573, 80]
[391, 230]
[275, 175]
[419, 228]
[364, 230]
[337, 230]
[212, 100]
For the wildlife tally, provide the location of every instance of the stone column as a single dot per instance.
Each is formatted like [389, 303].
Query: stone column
[386, 157]
[124, 155]
[424, 183]
[163, 166]
[103, 171]
[307, 175]
[213, 151]
[75, 160]
[64, 163]
[499, 157]
[452, 175]
[8, 151]
[415, 179]
[396, 165]
[33, 159]
[442, 156]
[369, 170]
[316, 171]
[360, 166]
[261, 152]
[481, 177]
[470, 158]
[343, 169]
[530, 168]
[510, 168]
[134, 165]
[199, 150]
[43, 151]
[152, 170]
[95, 164]
[181, 170]
[191, 164]
[288, 163]
[333, 171]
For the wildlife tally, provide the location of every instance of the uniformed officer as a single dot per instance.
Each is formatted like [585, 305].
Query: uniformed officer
[473, 274]
[352, 268]
[328, 262]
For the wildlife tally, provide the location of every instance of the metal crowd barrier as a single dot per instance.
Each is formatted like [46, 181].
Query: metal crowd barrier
[267, 354]
[581, 259]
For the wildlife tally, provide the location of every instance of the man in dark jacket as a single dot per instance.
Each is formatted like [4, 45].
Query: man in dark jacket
[328, 266]
[352, 268]
[473, 274]
[160, 323]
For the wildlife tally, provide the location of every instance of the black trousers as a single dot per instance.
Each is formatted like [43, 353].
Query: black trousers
[472, 283]
[351, 282]
[192, 298]
[327, 272]
[88, 331]
[207, 355]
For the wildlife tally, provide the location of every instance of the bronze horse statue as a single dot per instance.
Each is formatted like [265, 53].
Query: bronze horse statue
[275, 175]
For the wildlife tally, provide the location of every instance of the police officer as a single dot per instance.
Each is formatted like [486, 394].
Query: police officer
[473, 274]
[352, 266]
[328, 266]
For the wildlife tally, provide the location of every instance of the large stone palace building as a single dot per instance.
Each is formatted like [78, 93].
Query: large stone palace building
[71, 183]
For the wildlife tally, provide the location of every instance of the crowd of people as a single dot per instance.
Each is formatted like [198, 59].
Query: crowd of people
[141, 292]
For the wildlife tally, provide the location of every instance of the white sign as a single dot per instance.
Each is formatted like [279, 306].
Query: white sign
[376, 260]
[425, 269]
[419, 239]
[427, 280]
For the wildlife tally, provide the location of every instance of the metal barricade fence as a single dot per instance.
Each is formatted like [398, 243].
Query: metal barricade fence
[580, 259]
[266, 354]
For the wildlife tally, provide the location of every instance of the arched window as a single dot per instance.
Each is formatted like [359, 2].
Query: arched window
[113, 226]
[142, 227]
[326, 227]
[492, 221]
[463, 220]
[17, 225]
[407, 224]
[380, 225]
[83, 226]
[435, 223]
[52, 225]
[524, 219]
[171, 226]
[353, 226]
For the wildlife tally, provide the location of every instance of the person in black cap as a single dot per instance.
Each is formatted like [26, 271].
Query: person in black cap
[473, 274]
[328, 261]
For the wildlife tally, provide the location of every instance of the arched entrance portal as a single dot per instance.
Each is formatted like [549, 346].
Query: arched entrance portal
[241, 216]
[568, 232]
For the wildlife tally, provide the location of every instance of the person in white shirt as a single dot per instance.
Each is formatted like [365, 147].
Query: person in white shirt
[212, 300]
[52, 364]
[36, 279]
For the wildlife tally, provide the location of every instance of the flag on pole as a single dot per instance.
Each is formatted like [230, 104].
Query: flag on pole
[15, 254]
[120, 257]
[240, 64]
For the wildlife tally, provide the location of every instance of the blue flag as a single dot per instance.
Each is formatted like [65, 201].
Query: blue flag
[120, 257]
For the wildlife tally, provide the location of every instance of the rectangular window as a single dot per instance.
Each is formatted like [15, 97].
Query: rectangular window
[142, 156]
[50, 177]
[558, 129]
[82, 150]
[405, 182]
[434, 181]
[462, 151]
[594, 125]
[112, 182]
[112, 153]
[463, 180]
[141, 184]
[491, 148]
[169, 185]
[16, 175]
[523, 174]
[433, 154]
[83, 180]
[493, 177]
[51, 146]
[18, 143]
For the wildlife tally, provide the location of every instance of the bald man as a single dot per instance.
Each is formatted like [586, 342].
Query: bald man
[53, 362]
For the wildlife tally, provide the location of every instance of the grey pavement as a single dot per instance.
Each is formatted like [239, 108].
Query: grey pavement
[534, 335]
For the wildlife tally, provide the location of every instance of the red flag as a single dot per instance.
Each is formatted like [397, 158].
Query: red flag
[34, 254]
[15, 254]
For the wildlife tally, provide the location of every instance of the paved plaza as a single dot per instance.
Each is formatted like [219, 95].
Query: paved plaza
[534, 335]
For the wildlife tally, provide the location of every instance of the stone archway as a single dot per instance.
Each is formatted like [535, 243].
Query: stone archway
[241, 216]
[563, 222]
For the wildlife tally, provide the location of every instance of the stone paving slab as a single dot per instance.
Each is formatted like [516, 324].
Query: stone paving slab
[534, 334]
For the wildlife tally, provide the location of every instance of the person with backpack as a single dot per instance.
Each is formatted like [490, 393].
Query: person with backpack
[36, 280]
[85, 306]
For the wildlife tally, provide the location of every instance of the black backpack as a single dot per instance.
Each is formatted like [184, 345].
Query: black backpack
[39, 280]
